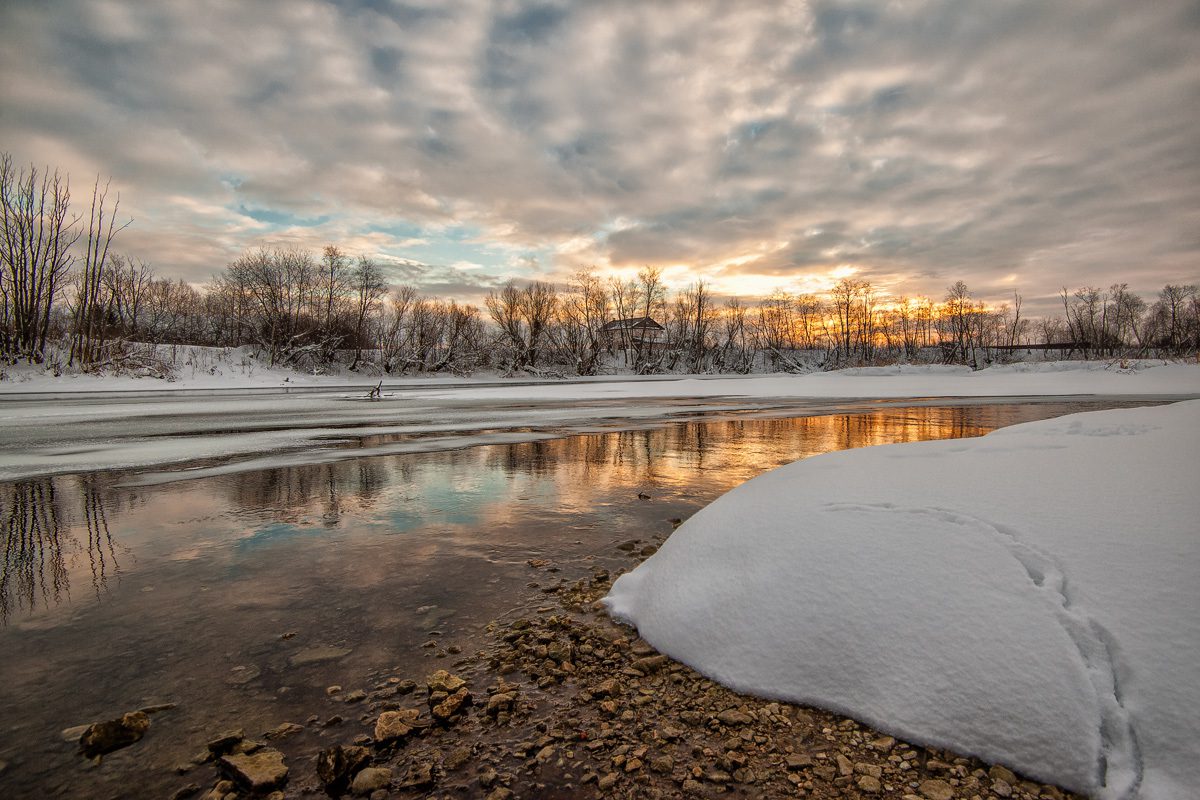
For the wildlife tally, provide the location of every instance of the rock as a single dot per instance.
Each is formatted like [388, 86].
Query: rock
[936, 789]
[283, 730]
[1002, 788]
[608, 780]
[105, 737]
[662, 764]
[503, 701]
[449, 707]
[258, 771]
[870, 784]
[693, 787]
[393, 725]
[874, 770]
[650, 664]
[647, 551]
[731, 716]
[73, 734]
[185, 791]
[406, 686]
[371, 778]
[442, 681]
[999, 773]
[487, 778]
[799, 760]
[337, 766]
[317, 654]
[844, 767]
[224, 741]
[500, 793]
[884, 743]
[419, 776]
[357, 696]
[606, 688]
[241, 675]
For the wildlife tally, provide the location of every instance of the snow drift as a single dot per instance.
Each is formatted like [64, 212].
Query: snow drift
[1031, 597]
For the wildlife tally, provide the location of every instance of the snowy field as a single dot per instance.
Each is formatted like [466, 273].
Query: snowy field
[51, 426]
[1031, 597]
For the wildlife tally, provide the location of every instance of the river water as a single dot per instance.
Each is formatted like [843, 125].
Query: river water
[241, 597]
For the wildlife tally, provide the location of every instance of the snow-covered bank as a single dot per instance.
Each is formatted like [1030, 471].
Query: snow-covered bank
[1031, 597]
[904, 380]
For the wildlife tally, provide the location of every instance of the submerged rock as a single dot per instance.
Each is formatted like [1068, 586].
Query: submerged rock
[317, 654]
[258, 771]
[105, 737]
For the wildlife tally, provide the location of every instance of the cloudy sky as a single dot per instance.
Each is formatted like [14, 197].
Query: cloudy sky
[1013, 145]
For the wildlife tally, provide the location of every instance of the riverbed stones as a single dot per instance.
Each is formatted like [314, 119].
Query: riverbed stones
[260, 771]
[337, 766]
[283, 730]
[225, 741]
[449, 708]
[936, 789]
[393, 725]
[443, 681]
[105, 737]
[369, 779]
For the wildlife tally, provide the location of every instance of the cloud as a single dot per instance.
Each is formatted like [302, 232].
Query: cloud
[1013, 145]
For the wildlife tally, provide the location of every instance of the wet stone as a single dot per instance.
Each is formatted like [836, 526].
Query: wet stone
[337, 766]
[443, 681]
[259, 771]
[318, 654]
[105, 737]
[223, 742]
[393, 725]
[370, 779]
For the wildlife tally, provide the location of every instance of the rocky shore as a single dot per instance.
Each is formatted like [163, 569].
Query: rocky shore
[565, 703]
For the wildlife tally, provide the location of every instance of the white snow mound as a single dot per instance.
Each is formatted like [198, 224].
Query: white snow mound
[1031, 597]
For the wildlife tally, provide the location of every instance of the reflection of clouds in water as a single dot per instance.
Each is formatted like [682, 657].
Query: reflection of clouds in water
[43, 545]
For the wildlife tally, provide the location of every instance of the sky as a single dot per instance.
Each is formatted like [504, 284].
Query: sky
[1017, 146]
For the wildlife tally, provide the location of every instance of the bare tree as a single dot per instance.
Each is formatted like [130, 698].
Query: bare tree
[36, 237]
[91, 304]
[369, 286]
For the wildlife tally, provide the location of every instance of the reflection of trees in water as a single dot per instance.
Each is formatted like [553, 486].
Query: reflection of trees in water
[41, 543]
[289, 494]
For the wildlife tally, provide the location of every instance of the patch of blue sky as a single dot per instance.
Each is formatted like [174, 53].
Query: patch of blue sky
[282, 219]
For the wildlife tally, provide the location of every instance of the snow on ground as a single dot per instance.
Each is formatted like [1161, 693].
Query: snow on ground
[1031, 596]
[120, 424]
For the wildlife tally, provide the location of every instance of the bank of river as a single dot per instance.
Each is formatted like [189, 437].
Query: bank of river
[240, 599]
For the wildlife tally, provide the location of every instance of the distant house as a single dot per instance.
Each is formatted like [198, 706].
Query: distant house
[636, 331]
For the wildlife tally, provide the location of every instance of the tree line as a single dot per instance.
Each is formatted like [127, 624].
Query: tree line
[66, 296]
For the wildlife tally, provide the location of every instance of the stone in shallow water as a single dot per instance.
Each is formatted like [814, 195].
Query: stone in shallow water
[105, 737]
[446, 709]
[393, 725]
[337, 766]
[370, 779]
[317, 654]
[224, 741]
[258, 771]
[442, 681]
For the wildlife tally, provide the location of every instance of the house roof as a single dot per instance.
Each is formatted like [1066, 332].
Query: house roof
[634, 323]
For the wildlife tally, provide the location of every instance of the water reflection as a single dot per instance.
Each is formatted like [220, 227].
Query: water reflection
[42, 546]
[59, 529]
